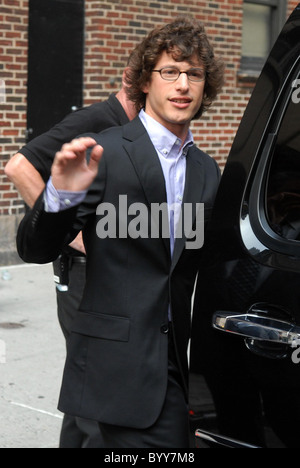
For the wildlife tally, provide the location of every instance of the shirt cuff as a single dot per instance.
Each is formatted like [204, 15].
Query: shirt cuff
[61, 200]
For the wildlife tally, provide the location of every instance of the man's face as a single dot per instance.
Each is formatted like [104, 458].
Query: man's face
[174, 103]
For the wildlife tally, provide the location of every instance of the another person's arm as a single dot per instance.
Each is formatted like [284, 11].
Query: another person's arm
[26, 178]
[30, 185]
[42, 234]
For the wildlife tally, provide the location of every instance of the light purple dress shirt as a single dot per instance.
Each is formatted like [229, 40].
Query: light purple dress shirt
[172, 155]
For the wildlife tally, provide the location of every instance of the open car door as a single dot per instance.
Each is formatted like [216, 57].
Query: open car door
[246, 321]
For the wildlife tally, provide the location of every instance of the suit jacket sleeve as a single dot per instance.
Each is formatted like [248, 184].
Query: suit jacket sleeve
[41, 235]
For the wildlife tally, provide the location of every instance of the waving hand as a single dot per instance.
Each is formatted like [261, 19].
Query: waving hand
[71, 171]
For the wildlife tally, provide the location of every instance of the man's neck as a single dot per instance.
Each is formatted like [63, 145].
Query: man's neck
[127, 105]
[184, 133]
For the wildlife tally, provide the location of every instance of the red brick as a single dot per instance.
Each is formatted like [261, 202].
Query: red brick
[112, 30]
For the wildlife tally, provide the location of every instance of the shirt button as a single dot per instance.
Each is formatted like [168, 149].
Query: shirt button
[67, 202]
[164, 329]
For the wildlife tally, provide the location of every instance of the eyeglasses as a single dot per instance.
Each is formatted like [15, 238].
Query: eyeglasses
[172, 74]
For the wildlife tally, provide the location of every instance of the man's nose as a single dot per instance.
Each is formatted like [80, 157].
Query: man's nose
[182, 81]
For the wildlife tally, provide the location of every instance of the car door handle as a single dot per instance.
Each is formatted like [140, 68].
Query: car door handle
[258, 327]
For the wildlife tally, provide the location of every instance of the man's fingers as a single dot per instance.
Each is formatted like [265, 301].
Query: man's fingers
[95, 158]
[76, 149]
[63, 156]
[79, 145]
[71, 171]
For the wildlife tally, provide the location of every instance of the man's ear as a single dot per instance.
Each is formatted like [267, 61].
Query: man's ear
[145, 88]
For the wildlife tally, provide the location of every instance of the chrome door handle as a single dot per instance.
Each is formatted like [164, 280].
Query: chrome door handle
[258, 327]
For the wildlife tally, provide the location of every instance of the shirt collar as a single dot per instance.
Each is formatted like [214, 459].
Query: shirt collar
[162, 139]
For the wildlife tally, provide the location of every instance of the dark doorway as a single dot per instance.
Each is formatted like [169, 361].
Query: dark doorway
[55, 62]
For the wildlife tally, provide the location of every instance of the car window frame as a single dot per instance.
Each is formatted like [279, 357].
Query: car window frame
[258, 236]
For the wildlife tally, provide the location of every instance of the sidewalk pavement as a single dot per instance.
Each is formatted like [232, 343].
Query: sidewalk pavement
[32, 354]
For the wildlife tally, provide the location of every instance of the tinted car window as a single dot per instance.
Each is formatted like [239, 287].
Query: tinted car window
[283, 188]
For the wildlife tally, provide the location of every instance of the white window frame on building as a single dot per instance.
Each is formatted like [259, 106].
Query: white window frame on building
[262, 23]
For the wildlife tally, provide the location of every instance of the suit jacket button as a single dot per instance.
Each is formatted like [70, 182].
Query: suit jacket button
[164, 329]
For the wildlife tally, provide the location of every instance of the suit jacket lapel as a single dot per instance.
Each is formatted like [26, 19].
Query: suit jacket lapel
[194, 186]
[147, 166]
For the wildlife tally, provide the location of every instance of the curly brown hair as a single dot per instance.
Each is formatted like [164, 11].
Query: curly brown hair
[183, 38]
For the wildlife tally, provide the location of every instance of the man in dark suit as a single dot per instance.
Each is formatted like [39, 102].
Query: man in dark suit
[29, 170]
[126, 364]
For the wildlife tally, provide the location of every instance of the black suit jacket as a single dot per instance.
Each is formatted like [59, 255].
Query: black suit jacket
[116, 368]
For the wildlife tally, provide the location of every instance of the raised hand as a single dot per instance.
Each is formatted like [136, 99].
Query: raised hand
[71, 171]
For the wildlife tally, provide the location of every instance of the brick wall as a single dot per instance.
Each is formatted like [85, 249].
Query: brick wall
[13, 65]
[113, 27]
[13, 77]
[292, 5]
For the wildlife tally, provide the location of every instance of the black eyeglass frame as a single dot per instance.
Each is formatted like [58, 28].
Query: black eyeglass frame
[188, 73]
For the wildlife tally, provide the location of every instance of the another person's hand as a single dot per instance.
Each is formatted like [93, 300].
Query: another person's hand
[78, 244]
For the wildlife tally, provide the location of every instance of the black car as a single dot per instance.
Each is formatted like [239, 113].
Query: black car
[245, 343]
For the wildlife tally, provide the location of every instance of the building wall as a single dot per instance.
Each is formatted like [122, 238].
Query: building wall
[13, 72]
[113, 28]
